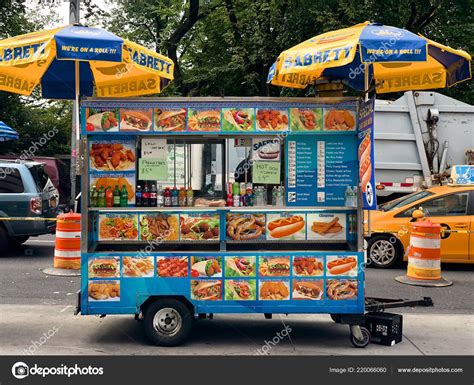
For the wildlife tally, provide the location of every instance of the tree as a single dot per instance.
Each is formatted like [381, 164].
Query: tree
[227, 46]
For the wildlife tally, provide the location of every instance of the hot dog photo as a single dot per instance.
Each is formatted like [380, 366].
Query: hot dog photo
[341, 289]
[308, 289]
[365, 163]
[266, 149]
[341, 265]
[170, 120]
[286, 227]
[323, 226]
[136, 120]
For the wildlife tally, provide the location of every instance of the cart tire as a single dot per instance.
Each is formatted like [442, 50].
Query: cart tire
[168, 322]
[336, 318]
[361, 344]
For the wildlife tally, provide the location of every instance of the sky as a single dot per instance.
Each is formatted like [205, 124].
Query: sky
[61, 8]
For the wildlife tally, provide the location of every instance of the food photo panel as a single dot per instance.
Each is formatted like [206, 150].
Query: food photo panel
[238, 119]
[112, 155]
[206, 290]
[286, 226]
[341, 265]
[274, 290]
[170, 119]
[309, 289]
[172, 267]
[136, 120]
[322, 226]
[240, 290]
[341, 289]
[240, 266]
[308, 266]
[102, 119]
[138, 267]
[206, 266]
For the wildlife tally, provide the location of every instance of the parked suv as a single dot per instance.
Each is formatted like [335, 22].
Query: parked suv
[25, 191]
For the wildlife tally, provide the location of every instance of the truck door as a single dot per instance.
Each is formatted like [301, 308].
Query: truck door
[451, 212]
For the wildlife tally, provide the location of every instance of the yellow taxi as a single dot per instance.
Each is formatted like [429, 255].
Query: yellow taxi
[450, 206]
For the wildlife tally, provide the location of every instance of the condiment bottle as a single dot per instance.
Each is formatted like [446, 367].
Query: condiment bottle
[94, 197]
[138, 196]
[124, 197]
[153, 196]
[167, 197]
[101, 197]
[190, 197]
[182, 197]
[146, 196]
[174, 197]
[160, 199]
[109, 197]
[116, 196]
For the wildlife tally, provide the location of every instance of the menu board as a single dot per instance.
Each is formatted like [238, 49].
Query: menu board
[276, 116]
[320, 168]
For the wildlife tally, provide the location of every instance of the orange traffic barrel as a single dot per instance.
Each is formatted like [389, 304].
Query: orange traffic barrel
[67, 250]
[424, 255]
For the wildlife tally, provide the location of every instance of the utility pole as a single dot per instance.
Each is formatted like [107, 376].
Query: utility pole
[74, 17]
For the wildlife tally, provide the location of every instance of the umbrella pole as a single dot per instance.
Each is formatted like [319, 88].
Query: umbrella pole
[366, 97]
[75, 134]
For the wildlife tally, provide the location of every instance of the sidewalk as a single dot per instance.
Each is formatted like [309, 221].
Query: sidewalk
[54, 330]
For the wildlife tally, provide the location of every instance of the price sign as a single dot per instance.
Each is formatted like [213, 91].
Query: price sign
[152, 169]
[154, 148]
[266, 172]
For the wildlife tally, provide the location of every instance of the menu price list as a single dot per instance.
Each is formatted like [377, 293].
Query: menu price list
[319, 170]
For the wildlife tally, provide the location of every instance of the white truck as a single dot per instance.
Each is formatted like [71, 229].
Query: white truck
[417, 138]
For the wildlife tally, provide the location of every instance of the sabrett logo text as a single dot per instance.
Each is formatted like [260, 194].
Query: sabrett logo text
[149, 61]
[22, 52]
[317, 57]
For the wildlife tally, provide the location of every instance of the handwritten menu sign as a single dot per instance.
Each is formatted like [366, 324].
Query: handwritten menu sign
[152, 169]
[154, 148]
[266, 172]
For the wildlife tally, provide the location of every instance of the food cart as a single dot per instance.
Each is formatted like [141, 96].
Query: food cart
[198, 206]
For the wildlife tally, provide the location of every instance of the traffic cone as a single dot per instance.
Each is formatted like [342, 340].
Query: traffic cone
[67, 250]
[424, 256]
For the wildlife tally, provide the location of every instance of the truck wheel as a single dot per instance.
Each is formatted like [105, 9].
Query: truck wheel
[365, 340]
[168, 322]
[5, 241]
[384, 251]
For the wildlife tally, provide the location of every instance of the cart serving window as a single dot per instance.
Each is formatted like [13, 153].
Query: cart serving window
[222, 205]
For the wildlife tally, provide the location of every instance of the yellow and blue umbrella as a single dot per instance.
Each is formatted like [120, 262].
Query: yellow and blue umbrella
[74, 60]
[397, 59]
[7, 133]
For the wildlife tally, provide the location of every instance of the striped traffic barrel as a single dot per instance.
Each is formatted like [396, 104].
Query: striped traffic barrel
[424, 252]
[67, 250]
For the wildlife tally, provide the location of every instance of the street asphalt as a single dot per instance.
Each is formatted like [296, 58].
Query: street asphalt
[32, 303]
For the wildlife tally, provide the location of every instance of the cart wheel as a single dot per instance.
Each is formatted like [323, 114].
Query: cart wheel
[336, 318]
[364, 342]
[168, 322]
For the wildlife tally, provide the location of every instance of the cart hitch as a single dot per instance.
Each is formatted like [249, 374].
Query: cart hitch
[380, 304]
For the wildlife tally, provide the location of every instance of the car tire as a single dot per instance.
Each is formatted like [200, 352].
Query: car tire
[5, 241]
[168, 322]
[18, 241]
[384, 251]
